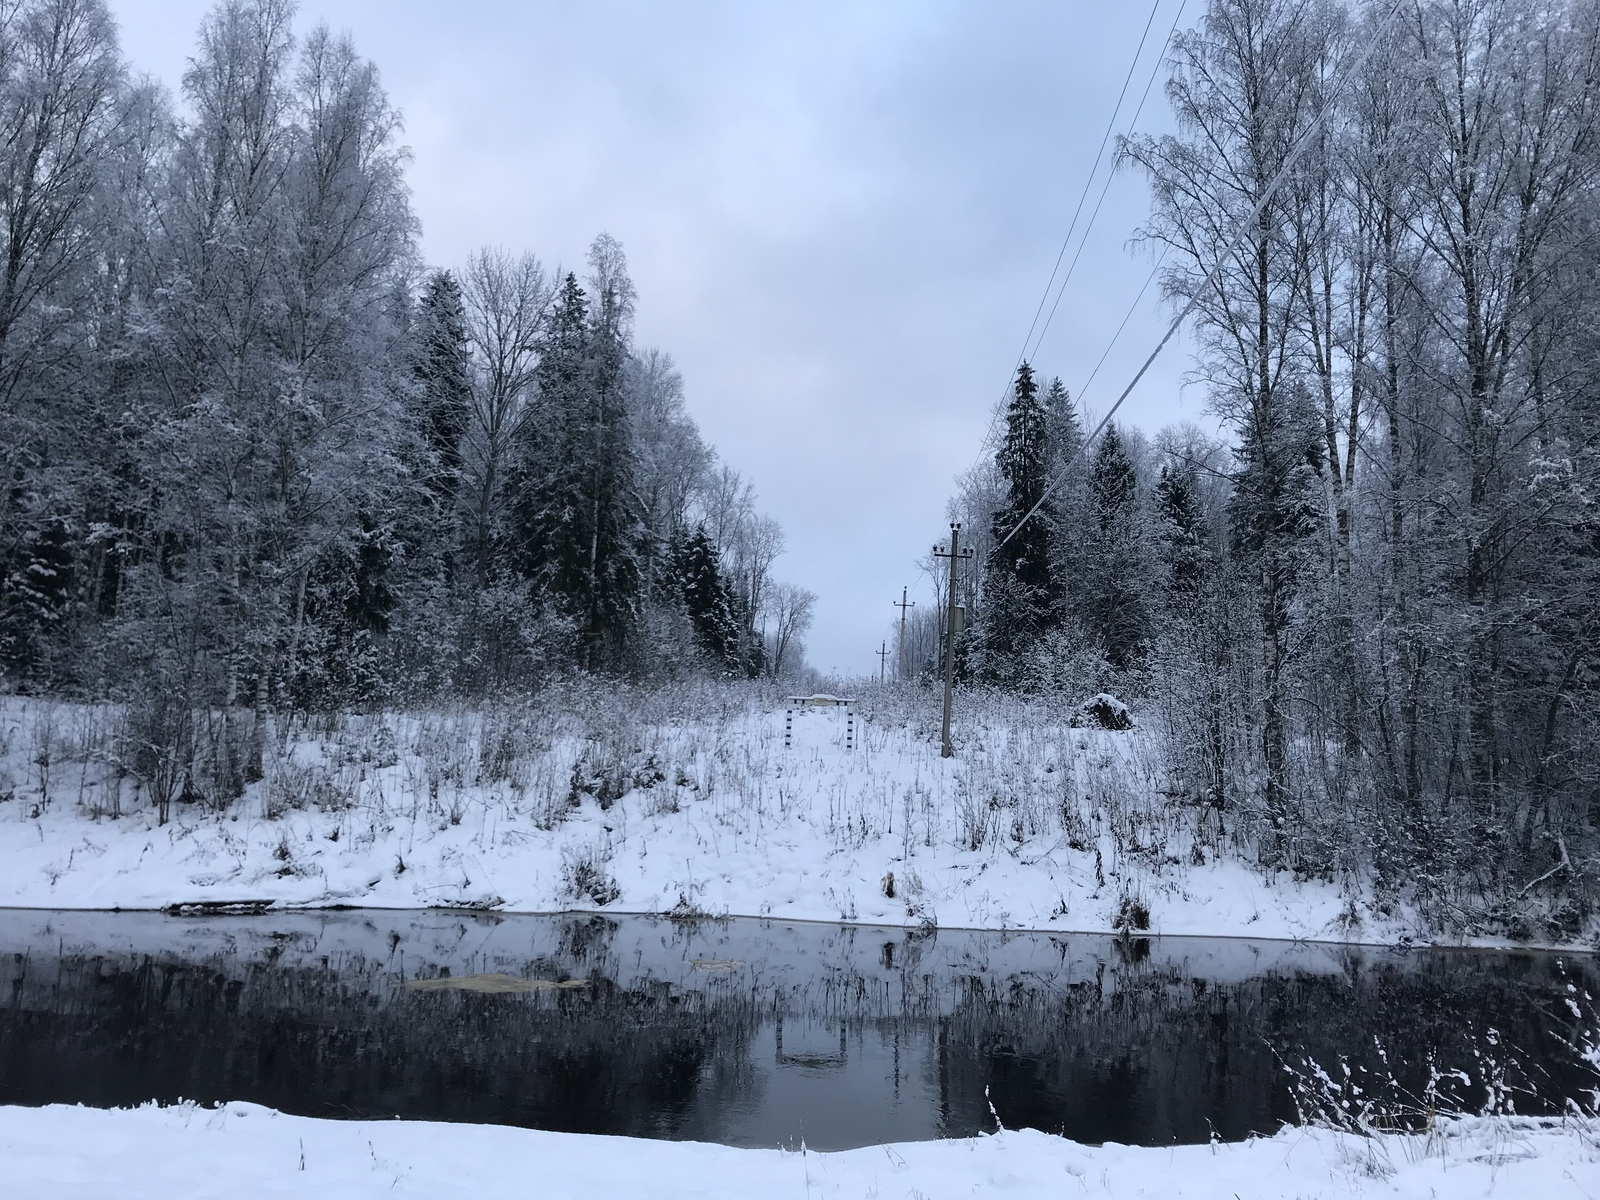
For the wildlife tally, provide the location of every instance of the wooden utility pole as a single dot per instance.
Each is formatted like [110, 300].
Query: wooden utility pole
[883, 659]
[956, 555]
[900, 655]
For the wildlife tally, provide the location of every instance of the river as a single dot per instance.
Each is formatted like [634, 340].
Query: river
[756, 1033]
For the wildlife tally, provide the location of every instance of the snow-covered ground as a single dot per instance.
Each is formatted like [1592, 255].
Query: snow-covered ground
[1034, 824]
[243, 1150]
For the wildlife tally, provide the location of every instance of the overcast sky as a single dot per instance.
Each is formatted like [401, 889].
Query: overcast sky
[840, 218]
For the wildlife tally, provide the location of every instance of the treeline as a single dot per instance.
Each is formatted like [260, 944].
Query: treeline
[1370, 622]
[257, 457]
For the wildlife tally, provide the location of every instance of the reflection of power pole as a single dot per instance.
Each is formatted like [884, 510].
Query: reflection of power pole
[883, 660]
[900, 660]
[955, 554]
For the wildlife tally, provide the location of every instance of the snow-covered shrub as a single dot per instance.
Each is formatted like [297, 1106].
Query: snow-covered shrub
[1133, 913]
[1103, 711]
[510, 735]
[295, 786]
[43, 754]
[381, 748]
[1204, 728]
[605, 774]
[977, 812]
[157, 739]
[1068, 663]
[585, 876]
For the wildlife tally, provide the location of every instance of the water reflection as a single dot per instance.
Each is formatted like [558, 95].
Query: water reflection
[744, 1032]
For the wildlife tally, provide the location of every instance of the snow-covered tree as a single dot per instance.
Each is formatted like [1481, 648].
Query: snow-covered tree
[444, 382]
[578, 524]
[1020, 594]
[693, 577]
[1116, 604]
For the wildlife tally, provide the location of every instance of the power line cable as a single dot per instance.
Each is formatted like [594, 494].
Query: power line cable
[1194, 302]
[1132, 308]
[1083, 241]
[1072, 225]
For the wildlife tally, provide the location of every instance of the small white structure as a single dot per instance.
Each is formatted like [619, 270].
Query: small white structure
[822, 700]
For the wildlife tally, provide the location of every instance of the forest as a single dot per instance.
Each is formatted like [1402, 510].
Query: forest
[1367, 614]
[258, 456]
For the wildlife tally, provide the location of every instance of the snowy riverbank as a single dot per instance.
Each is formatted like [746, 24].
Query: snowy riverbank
[244, 1150]
[647, 806]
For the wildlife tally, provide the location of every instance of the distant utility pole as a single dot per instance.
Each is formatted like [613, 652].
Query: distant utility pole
[883, 659]
[956, 555]
[900, 659]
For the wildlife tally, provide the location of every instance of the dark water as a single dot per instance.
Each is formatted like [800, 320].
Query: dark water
[746, 1032]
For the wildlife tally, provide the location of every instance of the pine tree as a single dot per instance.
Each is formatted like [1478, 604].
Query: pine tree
[1019, 592]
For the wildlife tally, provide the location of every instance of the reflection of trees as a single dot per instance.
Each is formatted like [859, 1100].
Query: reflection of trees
[1158, 1058]
[343, 1040]
[1127, 1050]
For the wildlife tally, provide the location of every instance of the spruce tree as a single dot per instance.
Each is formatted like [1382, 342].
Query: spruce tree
[616, 520]
[1019, 592]
[1181, 528]
[547, 538]
[36, 599]
[443, 377]
[694, 576]
[1069, 500]
[1116, 608]
[576, 526]
[1062, 427]
[1272, 513]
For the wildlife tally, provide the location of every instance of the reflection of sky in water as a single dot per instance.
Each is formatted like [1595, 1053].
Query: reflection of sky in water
[889, 1075]
[743, 1032]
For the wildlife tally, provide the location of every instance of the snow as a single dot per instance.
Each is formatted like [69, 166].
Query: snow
[470, 810]
[243, 1150]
